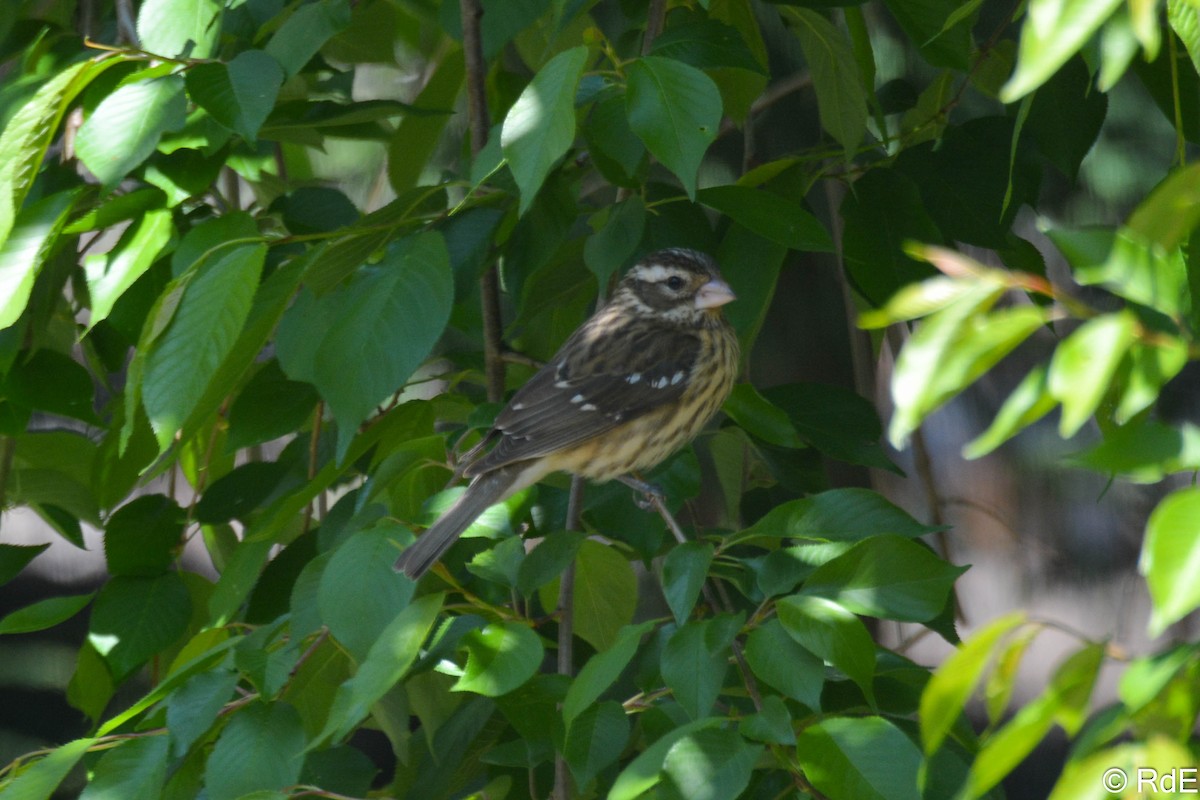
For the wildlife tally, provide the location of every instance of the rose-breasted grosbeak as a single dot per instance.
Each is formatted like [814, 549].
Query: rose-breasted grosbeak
[631, 386]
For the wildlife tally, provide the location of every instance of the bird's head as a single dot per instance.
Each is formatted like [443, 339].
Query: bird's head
[683, 286]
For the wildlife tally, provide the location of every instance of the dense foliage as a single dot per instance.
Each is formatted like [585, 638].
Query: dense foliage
[248, 254]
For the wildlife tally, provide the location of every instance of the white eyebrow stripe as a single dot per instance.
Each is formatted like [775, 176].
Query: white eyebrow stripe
[656, 272]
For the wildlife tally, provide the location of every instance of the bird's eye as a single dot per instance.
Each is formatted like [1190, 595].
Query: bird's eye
[674, 283]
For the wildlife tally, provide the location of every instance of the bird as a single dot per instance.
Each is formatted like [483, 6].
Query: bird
[633, 384]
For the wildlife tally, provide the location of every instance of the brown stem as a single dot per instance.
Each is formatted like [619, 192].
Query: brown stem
[566, 626]
[479, 120]
[656, 17]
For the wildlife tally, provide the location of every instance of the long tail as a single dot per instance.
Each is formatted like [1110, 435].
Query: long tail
[484, 491]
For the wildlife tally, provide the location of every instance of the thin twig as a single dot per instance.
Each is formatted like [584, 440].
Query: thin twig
[717, 605]
[313, 442]
[513, 357]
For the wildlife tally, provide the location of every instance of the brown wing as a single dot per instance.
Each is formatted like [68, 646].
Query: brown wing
[597, 381]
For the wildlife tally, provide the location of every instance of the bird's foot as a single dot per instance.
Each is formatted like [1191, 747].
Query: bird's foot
[648, 494]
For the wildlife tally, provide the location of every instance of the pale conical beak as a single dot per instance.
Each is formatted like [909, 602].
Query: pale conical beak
[714, 294]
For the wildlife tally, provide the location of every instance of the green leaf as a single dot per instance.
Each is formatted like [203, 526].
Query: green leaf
[360, 343]
[1128, 265]
[125, 127]
[135, 770]
[417, 136]
[1170, 556]
[1184, 19]
[193, 707]
[683, 573]
[919, 385]
[837, 515]
[109, 275]
[135, 618]
[830, 632]
[841, 98]
[760, 417]
[360, 595]
[213, 308]
[835, 420]
[239, 94]
[27, 135]
[867, 758]
[602, 669]
[606, 594]
[305, 31]
[675, 110]
[500, 658]
[1065, 116]
[886, 576]
[15, 557]
[772, 725]
[595, 739]
[1064, 702]
[705, 43]
[44, 614]
[41, 778]
[144, 536]
[268, 407]
[174, 27]
[694, 662]
[777, 659]
[884, 212]
[945, 696]
[712, 763]
[645, 771]
[540, 126]
[772, 216]
[91, 686]
[1144, 451]
[1084, 364]
[262, 747]
[24, 251]
[1053, 31]
[612, 246]
[391, 656]
[617, 150]
[1030, 401]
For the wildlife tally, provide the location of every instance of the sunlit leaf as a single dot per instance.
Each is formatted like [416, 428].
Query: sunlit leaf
[541, 124]
[1170, 557]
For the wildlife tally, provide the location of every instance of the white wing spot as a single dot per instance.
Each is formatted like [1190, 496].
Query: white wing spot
[634, 378]
[677, 377]
[518, 406]
[587, 407]
[577, 398]
[562, 384]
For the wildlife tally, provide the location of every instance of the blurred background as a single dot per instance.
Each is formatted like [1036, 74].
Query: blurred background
[1039, 533]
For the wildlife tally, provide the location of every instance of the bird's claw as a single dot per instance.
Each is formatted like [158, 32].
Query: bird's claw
[646, 495]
